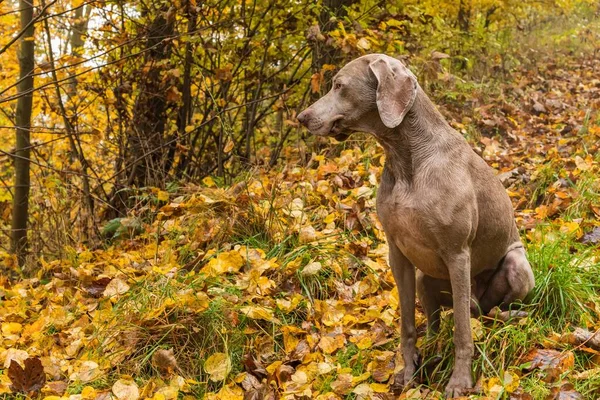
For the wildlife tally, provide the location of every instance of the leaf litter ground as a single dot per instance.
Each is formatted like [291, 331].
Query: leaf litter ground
[278, 286]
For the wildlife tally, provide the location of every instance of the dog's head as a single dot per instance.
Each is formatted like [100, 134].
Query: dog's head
[369, 91]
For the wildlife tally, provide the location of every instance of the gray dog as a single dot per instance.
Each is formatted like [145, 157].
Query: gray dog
[442, 209]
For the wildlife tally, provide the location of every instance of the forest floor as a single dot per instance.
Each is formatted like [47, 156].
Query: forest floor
[278, 285]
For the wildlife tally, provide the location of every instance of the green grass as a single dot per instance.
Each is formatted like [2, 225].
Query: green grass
[193, 335]
[567, 281]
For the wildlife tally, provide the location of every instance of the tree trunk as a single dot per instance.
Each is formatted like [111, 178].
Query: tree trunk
[147, 149]
[464, 15]
[322, 52]
[23, 125]
[185, 111]
[79, 29]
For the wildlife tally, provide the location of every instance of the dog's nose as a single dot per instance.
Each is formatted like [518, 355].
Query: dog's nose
[303, 117]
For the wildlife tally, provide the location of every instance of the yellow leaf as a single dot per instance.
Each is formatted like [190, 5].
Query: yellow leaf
[88, 371]
[88, 393]
[582, 164]
[329, 218]
[11, 328]
[394, 22]
[363, 44]
[271, 368]
[259, 312]
[218, 366]
[511, 381]
[208, 181]
[330, 344]
[569, 227]
[163, 195]
[311, 268]
[116, 287]
[228, 146]
[225, 262]
[477, 331]
[364, 343]
[232, 392]
[493, 387]
[126, 389]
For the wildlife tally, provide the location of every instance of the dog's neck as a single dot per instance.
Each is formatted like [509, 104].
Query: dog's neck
[423, 134]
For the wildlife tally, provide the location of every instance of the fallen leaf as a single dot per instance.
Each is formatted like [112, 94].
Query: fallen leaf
[116, 287]
[591, 237]
[259, 312]
[126, 389]
[164, 361]
[98, 286]
[217, 366]
[224, 262]
[342, 385]
[564, 392]
[554, 363]
[583, 337]
[311, 269]
[28, 379]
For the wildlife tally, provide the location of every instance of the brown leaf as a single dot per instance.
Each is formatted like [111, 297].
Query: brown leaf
[315, 82]
[553, 362]
[96, 289]
[284, 373]
[342, 384]
[592, 237]
[250, 382]
[301, 350]
[583, 337]
[28, 379]
[224, 74]
[564, 392]
[505, 316]
[539, 107]
[436, 55]
[263, 392]
[164, 361]
[382, 366]
[173, 94]
[56, 387]
[519, 394]
[253, 366]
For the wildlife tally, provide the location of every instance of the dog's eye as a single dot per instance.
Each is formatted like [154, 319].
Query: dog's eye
[337, 86]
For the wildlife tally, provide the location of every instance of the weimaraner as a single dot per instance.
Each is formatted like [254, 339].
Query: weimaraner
[441, 206]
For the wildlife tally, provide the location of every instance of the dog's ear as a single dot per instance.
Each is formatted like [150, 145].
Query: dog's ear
[396, 90]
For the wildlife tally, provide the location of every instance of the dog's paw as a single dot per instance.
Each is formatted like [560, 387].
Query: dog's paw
[459, 385]
[405, 379]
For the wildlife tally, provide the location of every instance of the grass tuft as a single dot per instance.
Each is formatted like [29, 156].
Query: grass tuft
[567, 282]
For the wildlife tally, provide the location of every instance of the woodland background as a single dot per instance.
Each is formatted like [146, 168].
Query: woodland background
[168, 229]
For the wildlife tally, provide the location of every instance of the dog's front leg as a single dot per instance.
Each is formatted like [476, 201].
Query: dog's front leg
[459, 268]
[404, 275]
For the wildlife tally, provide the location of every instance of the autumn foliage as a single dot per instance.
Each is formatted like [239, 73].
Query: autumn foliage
[187, 239]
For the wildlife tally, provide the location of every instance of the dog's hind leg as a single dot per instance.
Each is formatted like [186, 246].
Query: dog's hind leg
[511, 282]
[433, 294]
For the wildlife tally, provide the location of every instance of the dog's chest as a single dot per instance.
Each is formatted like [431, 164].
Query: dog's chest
[402, 215]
